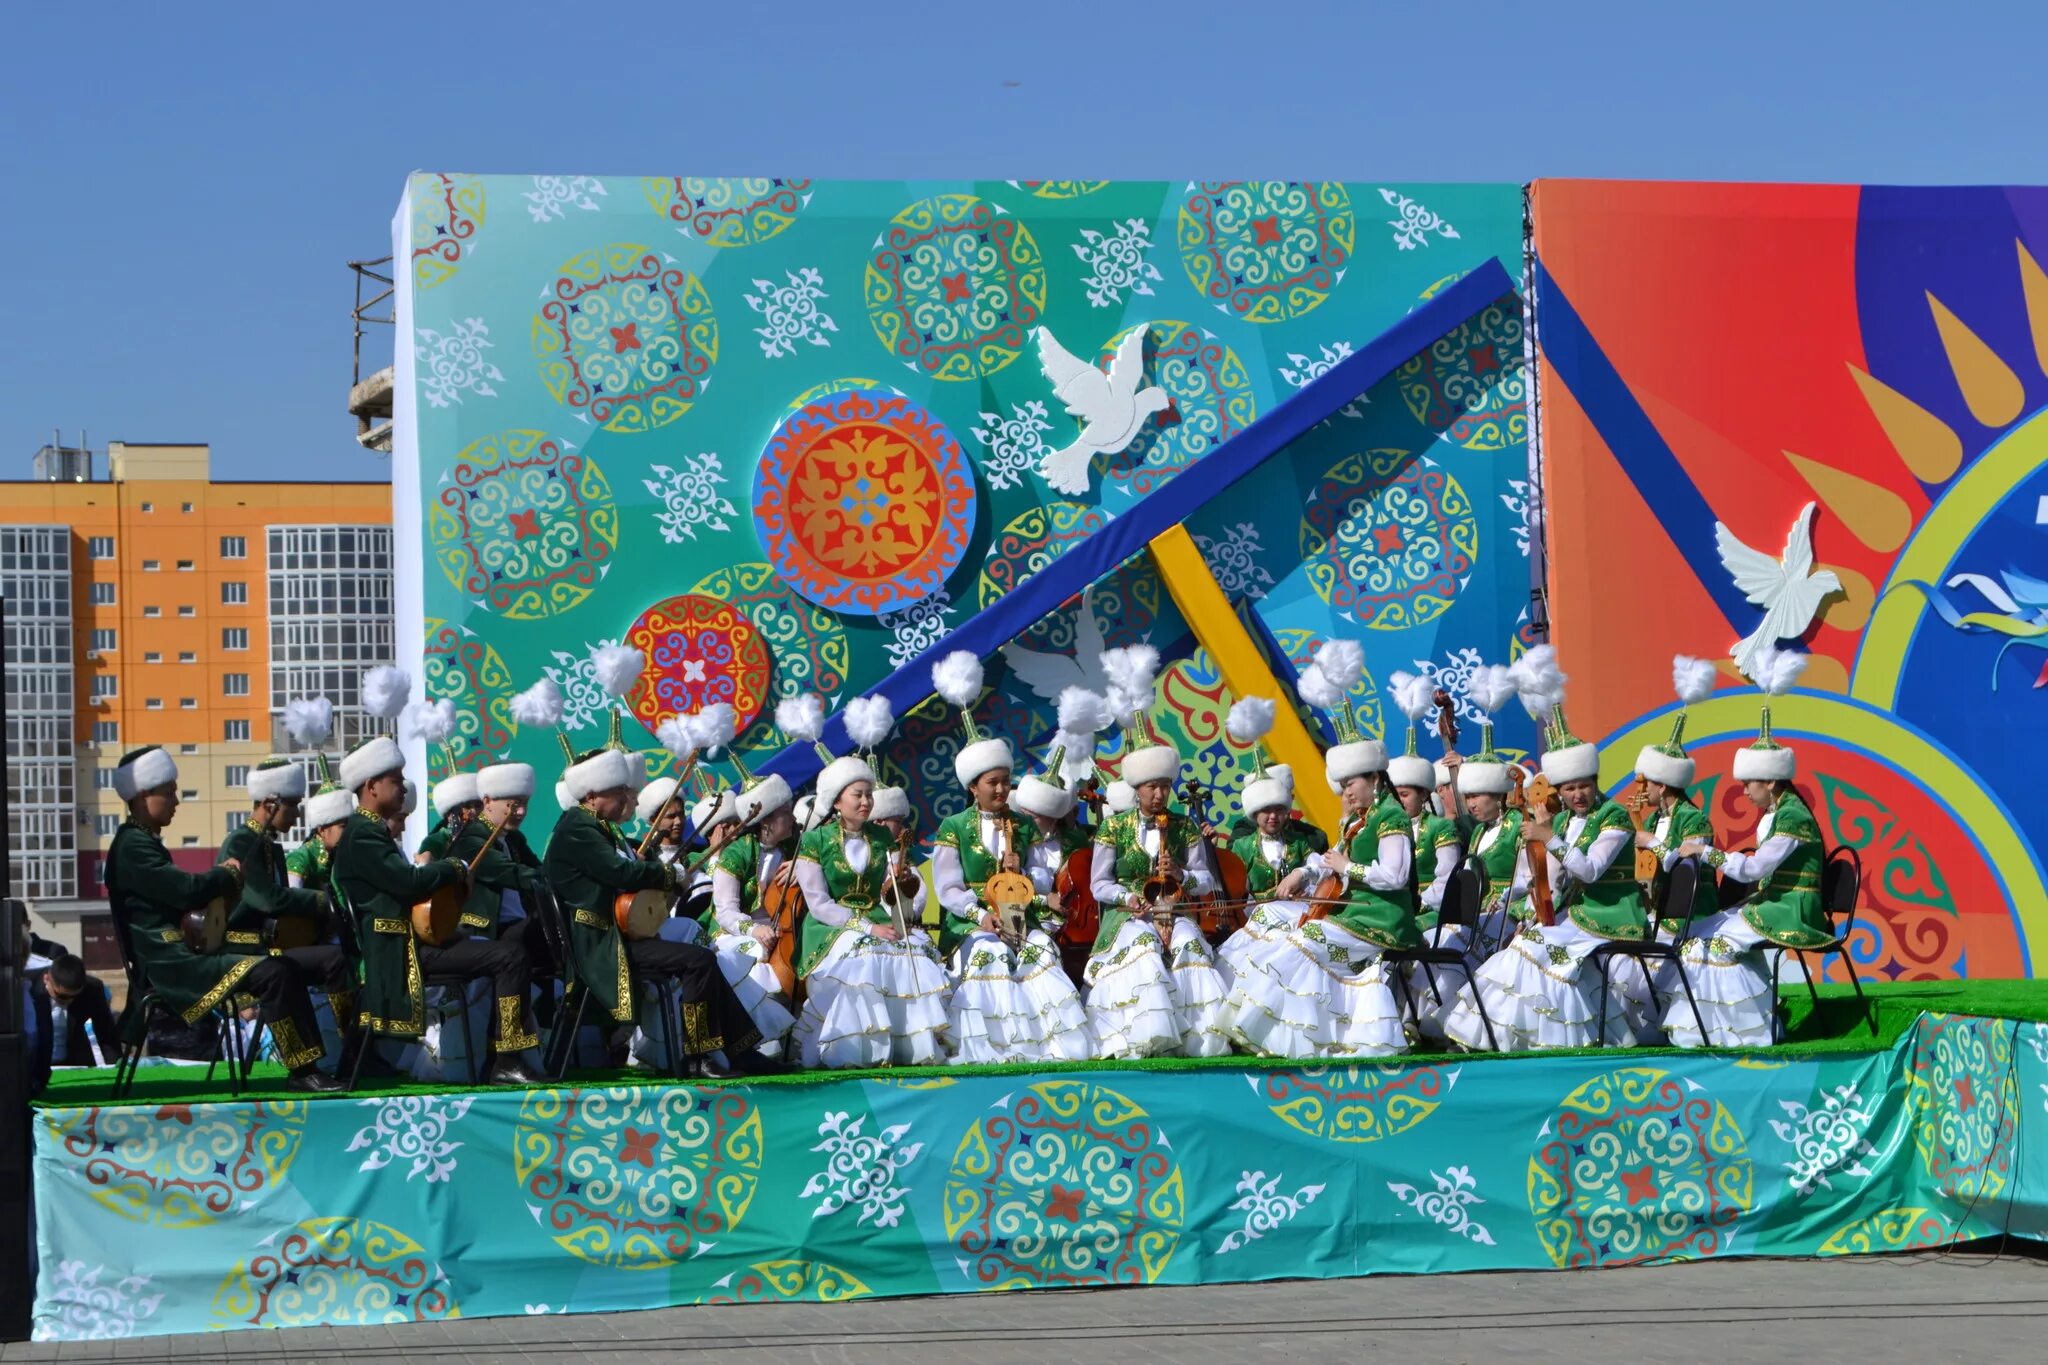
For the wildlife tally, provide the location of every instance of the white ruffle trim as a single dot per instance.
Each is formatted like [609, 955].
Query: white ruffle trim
[1316, 991]
[874, 1002]
[1539, 993]
[1013, 1006]
[1140, 1003]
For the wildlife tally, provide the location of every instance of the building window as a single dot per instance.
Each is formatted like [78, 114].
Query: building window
[105, 825]
[189, 794]
[188, 611]
[150, 656]
[234, 594]
[234, 547]
[235, 685]
[236, 819]
[105, 685]
[237, 774]
[330, 615]
[235, 637]
[236, 731]
[188, 703]
[189, 841]
[149, 507]
[102, 779]
[184, 507]
[104, 641]
[184, 566]
[42, 687]
[151, 565]
[153, 704]
[152, 611]
[106, 732]
[100, 547]
[186, 656]
[188, 748]
[102, 594]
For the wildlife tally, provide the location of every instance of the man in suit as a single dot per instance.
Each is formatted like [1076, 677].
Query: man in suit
[65, 1000]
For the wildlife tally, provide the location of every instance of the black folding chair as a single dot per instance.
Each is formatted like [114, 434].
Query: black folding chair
[1841, 882]
[1463, 895]
[132, 1028]
[1681, 894]
[561, 1043]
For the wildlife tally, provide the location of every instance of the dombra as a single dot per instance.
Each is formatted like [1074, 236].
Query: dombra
[640, 913]
[206, 929]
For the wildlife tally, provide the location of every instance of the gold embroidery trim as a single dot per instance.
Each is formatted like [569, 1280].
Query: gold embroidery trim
[228, 981]
[513, 1035]
[390, 926]
[416, 993]
[475, 921]
[698, 1038]
[590, 919]
[291, 1050]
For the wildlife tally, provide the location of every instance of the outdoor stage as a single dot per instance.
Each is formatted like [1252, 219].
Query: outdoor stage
[185, 1211]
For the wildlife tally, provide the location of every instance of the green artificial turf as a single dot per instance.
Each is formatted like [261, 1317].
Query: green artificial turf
[1835, 1025]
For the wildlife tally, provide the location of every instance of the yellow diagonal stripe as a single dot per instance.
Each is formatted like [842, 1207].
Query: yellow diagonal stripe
[1244, 668]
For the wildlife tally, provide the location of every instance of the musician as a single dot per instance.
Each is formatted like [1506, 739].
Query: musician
[306, 866]
[893, 813]
[1118, 797]
[276, 786]
[150, 895]
[1276, 856]
[1438, 851]
[1666, 771]
[1495, 848]
[662, 821]
[381, 888]
[1012, 1001]
[1319, 989]
[715, 818]
[742, 955]
[589, 863]
[455, 804]
[877, 997]
[507, 874]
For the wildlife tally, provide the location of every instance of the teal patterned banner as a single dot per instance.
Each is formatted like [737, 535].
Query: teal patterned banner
[174, 1218]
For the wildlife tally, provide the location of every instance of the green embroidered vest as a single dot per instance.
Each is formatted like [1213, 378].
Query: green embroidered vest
[1133, 864]
[859, 892]
[1385, 918]
[1612, 905]
[1687, 822]
[961, 832]
[1261, 876]
[1787, 908]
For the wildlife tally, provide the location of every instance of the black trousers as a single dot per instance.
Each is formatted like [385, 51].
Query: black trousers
[280, 983]
[713, 1017]
[504, 961]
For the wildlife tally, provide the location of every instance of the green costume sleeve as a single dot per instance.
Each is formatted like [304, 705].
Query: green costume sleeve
[261, 891]
[390, 873]
[148, 873]
[584, 847]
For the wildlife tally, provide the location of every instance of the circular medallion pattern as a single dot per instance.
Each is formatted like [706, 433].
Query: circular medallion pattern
[447, 213]
[1070, 1184]
[626, 337]
[1638, 1166]
[1470, 384]
[1353, 1103]
[864, 502]
[1060, 189]
[955, 287]
[339, 1271]
[1963, 1097]
[525, 526]
[184, 1165]
[1389, 538]
[469, 672]
[789, 1282]
[700, 651]
[637, 1177]
[1266, 250]
[1211, 400]
[809, 643]
[728, 212]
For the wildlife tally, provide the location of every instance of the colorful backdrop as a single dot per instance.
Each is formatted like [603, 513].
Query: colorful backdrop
[786, 433]
[1731, 353]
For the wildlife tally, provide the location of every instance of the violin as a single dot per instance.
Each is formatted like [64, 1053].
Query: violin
[1327, 896]
[1223, 913]
[1074, 886]
[1537, 796]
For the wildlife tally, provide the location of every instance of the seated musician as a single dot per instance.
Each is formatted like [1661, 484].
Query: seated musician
[276, 786]
[507, 874]
[1293, 827]
[150, 896]
[589, 863]
[1276, 858]
[663, 818]
[455, 804]
[741, 940]
[381, 887]
[1438, 852]
[1011, 1000]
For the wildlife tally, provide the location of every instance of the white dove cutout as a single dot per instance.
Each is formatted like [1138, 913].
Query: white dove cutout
[1048, 674]
[1111, 407]
[1788, 590]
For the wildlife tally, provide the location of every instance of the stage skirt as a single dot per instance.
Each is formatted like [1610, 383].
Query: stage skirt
[1145, 1003]
[1265, 923]
[1728, 963]
[1540, 992]
[874, 1002]
[1014, 1005]
[1317, 990]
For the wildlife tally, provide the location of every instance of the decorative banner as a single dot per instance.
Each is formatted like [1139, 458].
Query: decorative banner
[700, 651]
[525, 526]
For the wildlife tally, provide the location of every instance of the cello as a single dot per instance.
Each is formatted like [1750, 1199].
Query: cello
[1223, 912]
[782, 901]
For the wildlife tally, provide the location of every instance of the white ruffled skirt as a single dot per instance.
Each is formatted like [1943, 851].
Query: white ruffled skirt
[1728, 964]
[1014, 1005]
[1317, 990]
[1145, 1002]
[1265, 924]
[874, 1002]
[745, 964]
[1540, 992]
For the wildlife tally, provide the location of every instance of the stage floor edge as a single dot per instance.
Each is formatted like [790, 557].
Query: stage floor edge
[168, 1217]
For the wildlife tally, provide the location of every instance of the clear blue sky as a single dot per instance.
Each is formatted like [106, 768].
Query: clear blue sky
[184, 182]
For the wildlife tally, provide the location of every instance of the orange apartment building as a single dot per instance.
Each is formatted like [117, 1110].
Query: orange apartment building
[191, 608]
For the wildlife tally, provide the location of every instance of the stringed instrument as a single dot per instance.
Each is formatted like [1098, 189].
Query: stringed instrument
[1327, 895]
[1642, 811]
[1162, 889]
[1537, 797]
[1222, 913]
[1008, 893]
[436, 919]
[1446, 721]
[206, 929]
[901, 888]
[1074, 885]
[782, 901]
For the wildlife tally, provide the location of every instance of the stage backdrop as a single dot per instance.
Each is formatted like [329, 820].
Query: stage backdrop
[1732, 353]
[610, 395]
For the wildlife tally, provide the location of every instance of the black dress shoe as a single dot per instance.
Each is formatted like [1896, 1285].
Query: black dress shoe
[511, 1071]
[709, 1068]
[313, 1082]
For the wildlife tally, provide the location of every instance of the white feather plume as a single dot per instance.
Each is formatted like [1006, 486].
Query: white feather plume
[957, 678]
[617, 667]
[309, 721]
[1250, 719]
[1133, 668]
[1692, 679]
[539, 705]
[1775, 670]
[1084, 713]
[1318, 691]
[1079, 758]
[431, 721]
[1492, 687]
[714, 726]
[386, 690]
[802, 716]
[1537, 674]
[678, 736]
[1414, 694]
[1538, 705]
[1342, 662]
[869, 721]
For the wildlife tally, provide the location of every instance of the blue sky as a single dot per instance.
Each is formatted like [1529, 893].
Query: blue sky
[185, 182]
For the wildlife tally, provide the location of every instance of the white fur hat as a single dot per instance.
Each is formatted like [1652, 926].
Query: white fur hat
[711, 811]
[637, 776]
[891, 803]
[1264, 794]
[563, 798]
[457, 790]
[1755, 764]
[144, 770]
[504, 780]
[412, 798]
[1659, 766]
[804, 805]
[1443, 773]
[1284, 775]
[1484, 778]
[606, 770]
[323, 809]
[1408, 770]
[374, 757]
[984, 755]
[1153, 763]
[1356, 759]
[1036, 796]
[278, 777]
[839, 774]
[1118, 797]
[653, 797]
[764, 798]
[1578, 762]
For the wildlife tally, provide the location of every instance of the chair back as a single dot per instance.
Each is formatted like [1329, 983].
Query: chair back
[1841, 881]
[1463, 895]
[1681, 895]
[554, 927]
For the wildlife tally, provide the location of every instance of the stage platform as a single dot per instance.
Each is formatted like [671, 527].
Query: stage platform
[184, 1210]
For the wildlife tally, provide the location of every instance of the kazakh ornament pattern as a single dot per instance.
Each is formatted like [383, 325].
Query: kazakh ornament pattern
[728, 212]
[1211, 400]
[637, 1177]
[1471, 384]
[626, 338]
[448, 365]
[1449, 1204]
[1390, 538]
[1031, 540]
[861, 1169]
[809, 643]
[412, 1129]
[584, 701]
[1900, 1229]
[691, 497]
[447, 214]
[1064, 1184]
[955, 287]
[1367, 707]
[790, 313]
[180, 1165]
[917, 627]
[339, 1272]
[1190, 713]
[1059, 189]
[1116, 262]
[1414, 224]
[1311, 367]
[1353, 1103]
[1826, 1138]
[864, 502]
[1964, 1100]
[699, 651]
[1013, 447]
[468, 671]
[553, 195]
[1265, 1208]
[1638, 1165]
[525, 526]
[789, 1282]
[1233, 557]
[1266, 250]
[77, 1307]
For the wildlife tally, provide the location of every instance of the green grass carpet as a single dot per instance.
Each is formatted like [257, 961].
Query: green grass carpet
[1835, 1024]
